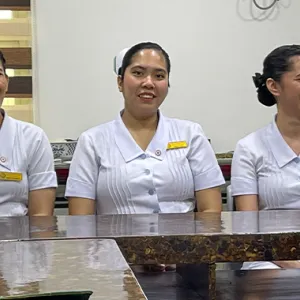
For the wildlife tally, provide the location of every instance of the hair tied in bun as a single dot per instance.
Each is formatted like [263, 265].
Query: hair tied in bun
[259, 80]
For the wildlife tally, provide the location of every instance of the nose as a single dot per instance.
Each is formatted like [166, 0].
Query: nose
[148, 82]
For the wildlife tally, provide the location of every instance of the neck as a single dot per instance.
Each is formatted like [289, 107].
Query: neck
[1, 117]
[289, 126]
[134, 123]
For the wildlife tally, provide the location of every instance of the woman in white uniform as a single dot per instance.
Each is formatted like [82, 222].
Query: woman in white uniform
[143, 162]
[265, 166]
[27, 177]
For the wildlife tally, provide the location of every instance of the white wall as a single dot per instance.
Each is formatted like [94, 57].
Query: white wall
[215, 48]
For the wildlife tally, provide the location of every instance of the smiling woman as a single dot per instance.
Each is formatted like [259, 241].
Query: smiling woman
[145, 86]
[144, 162]
[27, 177]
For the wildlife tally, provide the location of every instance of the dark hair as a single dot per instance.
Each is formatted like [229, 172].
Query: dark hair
[3, 61]
[275, 65]
[138, 47]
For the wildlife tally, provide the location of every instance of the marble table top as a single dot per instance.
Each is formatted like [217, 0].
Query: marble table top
[196, 237]
[37, 267]
[204, 224]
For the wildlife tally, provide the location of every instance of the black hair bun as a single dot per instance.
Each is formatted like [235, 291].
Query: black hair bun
[258, 80]
[264, 96]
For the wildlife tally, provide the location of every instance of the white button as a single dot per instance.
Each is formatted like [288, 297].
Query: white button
[143, 156]
[147, 172]
[2, 159]
[158, 153]
[151, 192]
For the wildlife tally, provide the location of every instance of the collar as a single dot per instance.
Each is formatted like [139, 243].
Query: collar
[130, 150]
[7, 137]
[280, 149]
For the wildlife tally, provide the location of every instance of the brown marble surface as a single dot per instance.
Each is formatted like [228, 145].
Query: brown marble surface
[36, 267]
[175, 238]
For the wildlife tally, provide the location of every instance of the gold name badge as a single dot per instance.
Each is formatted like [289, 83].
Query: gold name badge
[10, 176]
[177, 145]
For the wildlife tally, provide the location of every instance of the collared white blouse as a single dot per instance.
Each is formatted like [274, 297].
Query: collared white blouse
[109, 167]
[25, 150]
[263, 164]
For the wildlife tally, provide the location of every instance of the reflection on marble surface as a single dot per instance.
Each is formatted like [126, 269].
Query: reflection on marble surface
[35, 267]
[176, 238]
[12, 228]
[23, 264]
[205, 224]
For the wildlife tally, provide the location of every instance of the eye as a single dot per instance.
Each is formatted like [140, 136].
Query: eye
[137, 73]
[161, 76]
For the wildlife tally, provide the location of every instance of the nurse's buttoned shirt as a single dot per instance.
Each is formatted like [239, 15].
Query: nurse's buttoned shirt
[109, 167]
[24, 148]
[264, 164]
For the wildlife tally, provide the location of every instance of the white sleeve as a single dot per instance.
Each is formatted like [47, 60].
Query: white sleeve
[243, 173]
[203, 162]
[41, 173]
[83, 174]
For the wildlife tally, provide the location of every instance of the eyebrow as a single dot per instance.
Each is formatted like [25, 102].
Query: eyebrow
[144, 68]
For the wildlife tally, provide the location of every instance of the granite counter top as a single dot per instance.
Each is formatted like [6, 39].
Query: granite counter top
[37, 267]
[175, 238]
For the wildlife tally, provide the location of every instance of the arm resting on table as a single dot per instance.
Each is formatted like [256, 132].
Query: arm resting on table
[41, 202]
[209, 200]
[81, 206]
[246, 203]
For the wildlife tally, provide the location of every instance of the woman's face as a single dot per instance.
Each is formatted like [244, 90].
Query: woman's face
[3, 84]
[145, 83]
[288, 90]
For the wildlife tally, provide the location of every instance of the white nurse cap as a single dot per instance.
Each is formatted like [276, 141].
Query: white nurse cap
[118, 60]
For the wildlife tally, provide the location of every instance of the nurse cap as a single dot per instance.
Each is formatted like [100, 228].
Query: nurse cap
[118, 60]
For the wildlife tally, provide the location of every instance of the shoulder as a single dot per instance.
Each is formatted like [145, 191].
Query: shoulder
[99, 133]
[32, 140]
[185, 126]
[255, 140]
[99, 129]
[252, 147]
[29, 131]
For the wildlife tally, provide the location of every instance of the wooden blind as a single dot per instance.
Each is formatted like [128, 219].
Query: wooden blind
[15, 4]
[18, 58]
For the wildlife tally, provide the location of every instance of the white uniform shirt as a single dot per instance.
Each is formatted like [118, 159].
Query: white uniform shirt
[24, 148]
[264, 164]
[110, 167]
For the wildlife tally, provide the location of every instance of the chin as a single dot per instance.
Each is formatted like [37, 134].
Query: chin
[146, 113]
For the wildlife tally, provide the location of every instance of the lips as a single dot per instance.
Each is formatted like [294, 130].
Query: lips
[147, 96]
